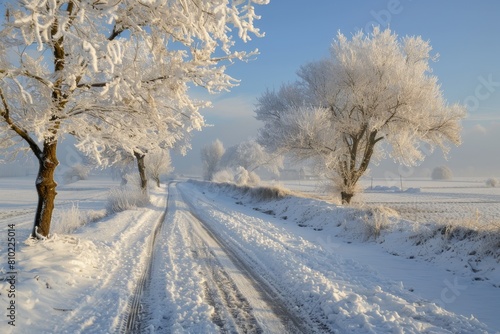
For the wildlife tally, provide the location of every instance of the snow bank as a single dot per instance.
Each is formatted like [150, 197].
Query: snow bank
[473, 252]
[80, 282]
[48, 273]
[346, 294]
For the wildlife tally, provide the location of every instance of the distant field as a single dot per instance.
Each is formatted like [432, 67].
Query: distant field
[18, 199]
[461, 201]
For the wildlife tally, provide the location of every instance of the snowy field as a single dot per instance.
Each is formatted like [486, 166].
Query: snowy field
[334, 269]
[460, 201]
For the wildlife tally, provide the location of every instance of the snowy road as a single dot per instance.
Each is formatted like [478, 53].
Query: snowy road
[223, 267]
[194, 268]
[216, 259]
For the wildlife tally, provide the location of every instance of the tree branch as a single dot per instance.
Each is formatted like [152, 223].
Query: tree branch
[28, 75]
[21, 132]
[115, 33]
[103, 84]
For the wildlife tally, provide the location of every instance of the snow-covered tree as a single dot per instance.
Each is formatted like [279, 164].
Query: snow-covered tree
[97, 70]
[210, 158]
[251, 155]
[237, 175]
[76, 172]
[374, 95]
[163, 113]
[158, 163]
[442, 173]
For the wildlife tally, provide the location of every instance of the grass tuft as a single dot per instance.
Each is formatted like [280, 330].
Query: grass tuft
[126, 198]
[67, 221]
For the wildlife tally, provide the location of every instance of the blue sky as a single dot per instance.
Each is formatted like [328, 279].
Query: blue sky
[466, 34]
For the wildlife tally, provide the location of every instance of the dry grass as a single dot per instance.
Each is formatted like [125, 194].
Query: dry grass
[125, 198]
[481, 236]
[377, 219]
[67, 221]
[269, 193]
[485, 233]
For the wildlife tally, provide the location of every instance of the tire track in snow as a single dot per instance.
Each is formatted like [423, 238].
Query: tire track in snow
[292, 323]
[307, 321]
[187, 250]
[241, 300]
[90, 309]
[130, 322]
[232, 311]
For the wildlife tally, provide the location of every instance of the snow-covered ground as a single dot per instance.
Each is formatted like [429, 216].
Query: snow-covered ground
[78, 282]
[334, 269]
[424, 200]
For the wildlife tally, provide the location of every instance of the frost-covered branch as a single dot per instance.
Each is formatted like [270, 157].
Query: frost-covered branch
[5, 114]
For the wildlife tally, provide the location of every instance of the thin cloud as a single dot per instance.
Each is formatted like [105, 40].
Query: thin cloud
[484, 116]
[232, 107]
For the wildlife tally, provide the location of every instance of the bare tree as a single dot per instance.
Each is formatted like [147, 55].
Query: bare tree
[210, 158]
[374, 88]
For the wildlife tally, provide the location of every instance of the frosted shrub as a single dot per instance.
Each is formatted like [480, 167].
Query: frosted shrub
[68, 220]
[125, 198]
[492, 182]
[76, 173]
[241, 177]
[225, 175]
[253, 179]
[269, 193]
[491, 241]
[244, 177]
[378, 219]
[442, 173]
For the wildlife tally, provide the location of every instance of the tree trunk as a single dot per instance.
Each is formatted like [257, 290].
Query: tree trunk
[46, 189]
[352, 173]
[346, 197]
[142, 170]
